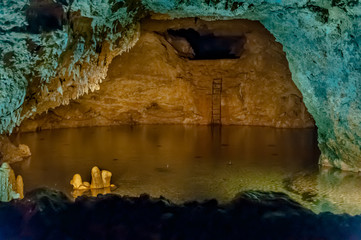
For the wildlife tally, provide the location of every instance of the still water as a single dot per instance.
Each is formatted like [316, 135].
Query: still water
[184, 163]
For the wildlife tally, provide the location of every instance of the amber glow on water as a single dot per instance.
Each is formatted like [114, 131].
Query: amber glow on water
[185, 163]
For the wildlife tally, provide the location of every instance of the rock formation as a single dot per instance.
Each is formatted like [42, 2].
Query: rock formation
[106, 177]
[11, 153]
[158, 82]
[97, 181]
[78, 183]
[100, 183]
[20, 186]
[321, 40]
[10, 187]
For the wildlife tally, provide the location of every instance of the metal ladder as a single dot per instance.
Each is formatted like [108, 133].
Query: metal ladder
[216, 101]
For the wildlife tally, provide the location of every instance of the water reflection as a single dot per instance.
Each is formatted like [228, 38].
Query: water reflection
[192, 163]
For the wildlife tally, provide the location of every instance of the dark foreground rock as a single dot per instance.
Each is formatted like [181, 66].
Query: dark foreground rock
[48, 214]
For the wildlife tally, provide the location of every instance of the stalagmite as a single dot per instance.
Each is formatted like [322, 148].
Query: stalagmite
[78, 184]
[20, 186]
[10, 186]
[97, 181]
[100, 183]
[106, 177]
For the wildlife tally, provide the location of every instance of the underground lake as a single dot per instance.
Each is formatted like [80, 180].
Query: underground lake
[180, 119]
[185, 163]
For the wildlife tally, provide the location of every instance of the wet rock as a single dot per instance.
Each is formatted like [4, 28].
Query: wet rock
[303, 184]
[100, 183]
[9, 188]
[78, 183]
[86, 184]
[102, 191]
[97, 181]
[20, 186]
[106, 177]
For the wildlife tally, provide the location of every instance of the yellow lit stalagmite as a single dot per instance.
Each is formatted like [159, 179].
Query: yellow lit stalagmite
[100, 183]
[20, 186]
[97, 181]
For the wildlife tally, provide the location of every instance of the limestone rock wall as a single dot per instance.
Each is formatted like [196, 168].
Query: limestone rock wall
[55, 51]
[322, 44]
[321, 40]
[152, 84]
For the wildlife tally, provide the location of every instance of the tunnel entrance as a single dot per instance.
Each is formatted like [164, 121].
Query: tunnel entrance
[191, 72]
[206, 45]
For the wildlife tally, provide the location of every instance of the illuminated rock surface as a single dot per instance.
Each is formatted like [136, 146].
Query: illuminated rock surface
[10, 187]
[321, 40]
[99, 180]
[20, 186]
[251, 215]
[9, 152]
[154, 84]
[106, 177]
[77, 182]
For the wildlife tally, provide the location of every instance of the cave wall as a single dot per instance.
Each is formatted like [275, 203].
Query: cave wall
[321, 40]
[154, 84]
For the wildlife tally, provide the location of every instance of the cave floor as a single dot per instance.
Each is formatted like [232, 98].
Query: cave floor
[185, 163]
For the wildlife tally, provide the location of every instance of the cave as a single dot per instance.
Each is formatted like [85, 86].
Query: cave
[179, 120]
[165, 79]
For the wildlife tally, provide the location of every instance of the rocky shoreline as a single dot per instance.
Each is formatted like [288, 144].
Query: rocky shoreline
[49, 214]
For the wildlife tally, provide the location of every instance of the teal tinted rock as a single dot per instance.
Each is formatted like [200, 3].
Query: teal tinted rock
[321, 39]
[7, 187]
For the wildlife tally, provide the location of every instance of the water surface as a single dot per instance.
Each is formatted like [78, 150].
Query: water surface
[186, 163]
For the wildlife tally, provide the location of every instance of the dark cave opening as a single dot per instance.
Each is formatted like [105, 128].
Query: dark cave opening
[207, 46]
[44, 16]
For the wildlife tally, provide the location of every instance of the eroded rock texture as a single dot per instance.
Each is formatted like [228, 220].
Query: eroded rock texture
[321, 40]
[11, 187]
[9, 152]
[158, 82]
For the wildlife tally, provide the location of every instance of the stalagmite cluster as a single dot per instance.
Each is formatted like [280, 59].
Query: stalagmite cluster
[11, 187]
[100, 183]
